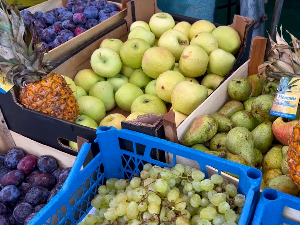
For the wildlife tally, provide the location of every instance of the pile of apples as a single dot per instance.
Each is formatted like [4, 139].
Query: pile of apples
[155, 69]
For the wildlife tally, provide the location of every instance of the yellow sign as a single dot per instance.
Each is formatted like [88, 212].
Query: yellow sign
[5, 86]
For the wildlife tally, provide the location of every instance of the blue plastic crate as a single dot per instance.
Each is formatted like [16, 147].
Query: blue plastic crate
[269, 210]
[72, 203]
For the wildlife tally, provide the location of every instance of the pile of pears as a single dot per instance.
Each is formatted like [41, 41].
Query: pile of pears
[245, 132]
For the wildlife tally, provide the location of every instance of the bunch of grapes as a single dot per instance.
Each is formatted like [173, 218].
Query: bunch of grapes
[167, 196]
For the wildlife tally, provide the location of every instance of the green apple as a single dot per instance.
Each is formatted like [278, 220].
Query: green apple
[212, 81]
[79, 92]
[228, 39]
[134, 115]
[209, 91]
[105, 92]
[106, 62]
[151, 88]
[113, 120]
[183, 27]
[139, 24]
[117, 81]
[139, 78]
[220, 62]
[142, 33]
[148, 104]
[126, 71]
[179, 117]
[193, 80]
[174, 41]
[71, 83]
[132, 52]
[205, 40]
[157, 60]
[160, 23]
[126, 94]
[166, 82]
[193, 61]
[86, 79]
[201, 26]
[73, 144]
[187, 96]
[86, 121]
[114, 44]
[92, 107]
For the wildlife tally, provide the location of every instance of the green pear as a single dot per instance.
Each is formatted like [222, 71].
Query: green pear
[240, 142]
[212, 81]
[257, 83]
[258, 158]
[132, 52]
[218, 142]
[236, 158]
[193, 61]
[224, 123]
[79, 92]
[157, 60]
[86, 79]
[228, 39]
[105, 92]
[201, 26]
[284, 184]
[270, 174]
[142, 33]
[114, 44]
[91, 107]
[220, 62]
[205, 40]
[126, 71]
[263, 137]
[166, 82]
[271, 87]
[139, 78]
[284, 163]
[149, 104]
[248, 103]
[126, 94]
[117, 81]
[183, 27]
[151, 88]
[187, 96]
[239, 89]
[231, 108]
[202, 129]
[272, 159]
[202, 148]
[244, 119]
[261, 107]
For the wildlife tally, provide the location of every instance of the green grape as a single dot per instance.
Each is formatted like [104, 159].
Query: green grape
[138, 193]
[188, 187]
[161, 185]
[180, 204]
[110, 183]
[129, 195]
[97, 201]
[229, 223]
[204, 202]
[186, 214]
[187, 170]
[97, 211]
[147, 216]
[82, 223]
[237, 218]
[196, 186]
[121, 197]
[147, 167]
[123, 219]
[121, 209]
[132, 210]
[112, 192]
[205, 222]
[148, 181]
[135, 182]
[103, 190]
[181, 221]
[134, 222]
[155, 170]
[185, 192]
[231, 190]
[195, 201]
[180, 168]
[216, 179]
[113, 203]
[193, 211]
[183, 182]
[153, 208]
[186, 198]
[211, 194]
[101, 212]
[144, 174]
[208, 213]
[162, 213]
[90, 219]
[128, 188]
[171, 182]
[239, 200]
[223, 207]
[175, 173]
[171, 215]
[121, 184]
[110, 214]
[191, 193]
[153, 198]
[143, 207]
[196, 220]
[108, 198]
[204, 194]
[218, 198]
[230, 215]
[219, 189]
[219, 220]
[173, 195]
[120, 192]
[166, 174]
[211, 206]
[198, 175]
[207, 185]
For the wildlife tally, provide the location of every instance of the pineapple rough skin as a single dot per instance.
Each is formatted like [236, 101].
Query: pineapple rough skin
[293, 156]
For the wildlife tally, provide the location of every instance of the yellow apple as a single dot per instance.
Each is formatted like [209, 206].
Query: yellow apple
[113, 120]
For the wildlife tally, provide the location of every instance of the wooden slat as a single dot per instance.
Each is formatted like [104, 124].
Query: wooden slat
[6, 140]
[257, 54]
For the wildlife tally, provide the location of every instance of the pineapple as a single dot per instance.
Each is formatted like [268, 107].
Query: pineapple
[21, 62]
[293, 156]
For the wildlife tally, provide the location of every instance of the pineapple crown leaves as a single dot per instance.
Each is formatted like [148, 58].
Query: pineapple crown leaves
[20, 58]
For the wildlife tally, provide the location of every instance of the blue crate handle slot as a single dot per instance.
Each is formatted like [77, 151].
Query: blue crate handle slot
[271, 205]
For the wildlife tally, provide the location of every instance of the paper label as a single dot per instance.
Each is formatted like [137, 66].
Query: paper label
[286, 100]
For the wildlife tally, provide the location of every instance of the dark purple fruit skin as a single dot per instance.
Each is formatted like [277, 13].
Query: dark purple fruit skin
[57, 26]
[3, 209]
[9, 194]
[14, 177]
[112, 6]
[69, 25]
[37, 195]
[4, 171]
[13, 157]
[2, 157]
[103, 18]
[66, 35]
[24, 188]
[79, 18]
[27, 164]
[48, 35]
[79, 30]
[91, 23]
[61, 9]
[30, 217]
[49, 18]
[12, 220]
[64, 175]
[57, 172]
[39, 23]
[47, 164]
[38, 208]
[65, 16]
[78, 7]
[91, 12]
[22, 211]
[38, 15]
[3, 220]
[54, 191]
[44, 180]
[113, 13]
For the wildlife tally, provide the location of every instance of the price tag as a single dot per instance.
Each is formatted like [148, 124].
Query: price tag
[286, 100]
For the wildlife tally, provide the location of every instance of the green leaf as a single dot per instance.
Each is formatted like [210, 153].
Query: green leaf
[5, 24]
[18, 28]
[295, 81]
